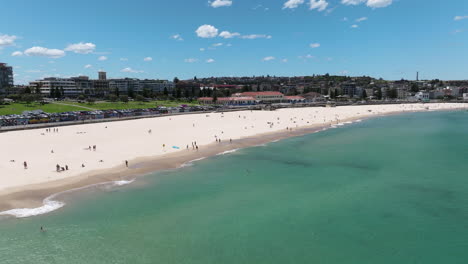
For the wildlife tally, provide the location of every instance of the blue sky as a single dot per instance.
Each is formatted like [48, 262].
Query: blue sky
[391, 39]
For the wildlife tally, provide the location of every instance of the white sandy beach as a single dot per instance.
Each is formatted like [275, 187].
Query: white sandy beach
[127, 140]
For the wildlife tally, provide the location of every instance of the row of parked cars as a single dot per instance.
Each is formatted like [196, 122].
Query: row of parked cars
[40, 117]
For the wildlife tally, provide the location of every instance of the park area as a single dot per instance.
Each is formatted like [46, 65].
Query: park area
[69, 106]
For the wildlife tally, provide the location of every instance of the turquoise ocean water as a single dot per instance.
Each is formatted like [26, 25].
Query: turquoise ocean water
[387, 190]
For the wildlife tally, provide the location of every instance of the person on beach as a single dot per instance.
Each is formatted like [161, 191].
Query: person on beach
[230, 140]
[197, 148]
[66, 167]
[42, 229]
[57, 168]
[126, 163]
[25, 164]
[82, 165]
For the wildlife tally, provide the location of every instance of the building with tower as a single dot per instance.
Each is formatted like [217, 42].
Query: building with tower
[6, 77]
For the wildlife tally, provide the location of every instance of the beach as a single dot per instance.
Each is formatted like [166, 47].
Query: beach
[97, 153]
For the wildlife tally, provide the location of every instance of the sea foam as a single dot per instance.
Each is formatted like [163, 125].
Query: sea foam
[190, 163]
[227, 152]
[50, 205]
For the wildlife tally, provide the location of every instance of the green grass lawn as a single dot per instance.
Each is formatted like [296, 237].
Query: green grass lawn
[58, 107]
[19, 108]
[131, 105]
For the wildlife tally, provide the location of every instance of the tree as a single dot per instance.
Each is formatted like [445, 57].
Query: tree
[124, 98]
[90, 100]
[113, 98]
[178, 93]
[131, 93]
[215, 96]
[117, 92]
[166, 92]
[81, 97]
[28, 98]
[147, 91]
[140, 98]
[414, 88]
[38, 88]
[364, 94]
[379, 94]
[176, 80]
[393, 93]
[27, 90]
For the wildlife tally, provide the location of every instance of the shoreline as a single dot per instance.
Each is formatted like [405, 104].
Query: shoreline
[36, 196]
[33, 196]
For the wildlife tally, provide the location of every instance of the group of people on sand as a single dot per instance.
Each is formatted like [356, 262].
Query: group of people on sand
[58, 168]
[94, 147]
[194, 146]
[55, 130]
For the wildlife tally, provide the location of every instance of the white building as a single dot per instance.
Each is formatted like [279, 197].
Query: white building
[465, 96]
[67, 87]
[422, 96]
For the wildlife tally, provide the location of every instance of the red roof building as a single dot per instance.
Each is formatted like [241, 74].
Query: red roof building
[266, 97]
[245, 100]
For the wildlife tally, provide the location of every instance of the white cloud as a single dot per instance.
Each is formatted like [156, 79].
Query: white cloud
[33, 71]
[81, 48]
[177, 37]
[207, 31]
[457, 18]
[291, 4]
[7, 40]
[130, 70]
[284, 60]
[210, 60]
[256, 36]
[315, 45]
[44, 52]
[379, 3]
[361, 19]
[345, 19]
[202, 49]
[320, 5]
[102, 58]
[369, 3]
[306, 57]
[88, 66]
[217, 44]
[352, 2]
[148, 59]
[17, 54]
[354, 26]
[123, 59]
[228, 35]
[220, 3]
[190, 60]
[269, 58]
